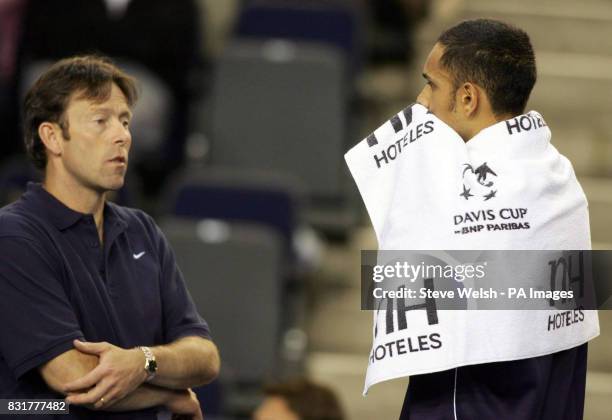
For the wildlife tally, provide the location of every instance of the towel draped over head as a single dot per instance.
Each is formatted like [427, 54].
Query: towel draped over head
[507, 188]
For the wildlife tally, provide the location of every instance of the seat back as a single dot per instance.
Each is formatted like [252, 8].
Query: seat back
[233, 272]
[282, 106]
[255, 197]
[334, 23]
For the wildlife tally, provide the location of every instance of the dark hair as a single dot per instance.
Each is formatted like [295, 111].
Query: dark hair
[496, 56]
[308, 400]
[90, 76]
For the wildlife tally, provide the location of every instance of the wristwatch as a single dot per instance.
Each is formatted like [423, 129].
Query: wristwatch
[150, 363]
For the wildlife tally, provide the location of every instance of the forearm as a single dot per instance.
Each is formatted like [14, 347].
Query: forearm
[186, 363]
[145, 396]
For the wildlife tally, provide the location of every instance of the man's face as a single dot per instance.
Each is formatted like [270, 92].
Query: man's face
[439, 94]
[96, 155]
[274, 408]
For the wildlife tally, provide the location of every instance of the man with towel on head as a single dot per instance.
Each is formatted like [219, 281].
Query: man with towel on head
[467, 148]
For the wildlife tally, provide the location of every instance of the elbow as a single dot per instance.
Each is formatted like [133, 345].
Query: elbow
[56, 385]
[215, 368]
[67, 367]
[212, 367]
[57, 381]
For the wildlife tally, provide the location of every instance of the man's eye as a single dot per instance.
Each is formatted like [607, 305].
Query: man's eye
[100, 121]
[126, 124]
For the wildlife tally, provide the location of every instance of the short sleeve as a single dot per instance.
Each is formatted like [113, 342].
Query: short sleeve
[181, 317]
[38, 321]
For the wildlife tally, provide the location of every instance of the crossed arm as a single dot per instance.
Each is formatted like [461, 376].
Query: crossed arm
[94, 371]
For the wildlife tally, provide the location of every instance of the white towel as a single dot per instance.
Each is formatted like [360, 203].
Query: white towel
[426, 189]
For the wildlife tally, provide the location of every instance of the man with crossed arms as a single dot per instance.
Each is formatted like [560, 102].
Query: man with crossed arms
[93, 305]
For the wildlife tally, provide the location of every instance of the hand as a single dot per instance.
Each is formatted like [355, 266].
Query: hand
[119, 372]
[185, 405]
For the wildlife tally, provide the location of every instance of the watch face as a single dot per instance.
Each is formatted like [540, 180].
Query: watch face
[152, 366]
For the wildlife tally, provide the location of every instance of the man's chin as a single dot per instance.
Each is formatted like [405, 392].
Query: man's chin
[114, 185]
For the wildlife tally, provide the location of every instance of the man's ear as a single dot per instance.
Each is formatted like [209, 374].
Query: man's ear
[51, 136]
[469, 99]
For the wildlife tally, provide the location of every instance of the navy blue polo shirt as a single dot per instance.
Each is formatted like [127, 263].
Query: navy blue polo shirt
[59, 283]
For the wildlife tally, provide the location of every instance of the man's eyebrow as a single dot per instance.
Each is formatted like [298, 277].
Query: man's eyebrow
[123, 114]
[126, 114]
[426, 76]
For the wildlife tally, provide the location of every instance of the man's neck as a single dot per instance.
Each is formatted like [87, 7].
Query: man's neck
[77, 197]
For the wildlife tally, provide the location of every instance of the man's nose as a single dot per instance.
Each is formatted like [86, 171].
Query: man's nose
[121, 133]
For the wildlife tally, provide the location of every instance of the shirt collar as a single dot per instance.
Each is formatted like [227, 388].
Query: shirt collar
[62, 216]
[113, 218]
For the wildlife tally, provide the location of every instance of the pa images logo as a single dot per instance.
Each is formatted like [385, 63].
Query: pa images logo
[484, 176]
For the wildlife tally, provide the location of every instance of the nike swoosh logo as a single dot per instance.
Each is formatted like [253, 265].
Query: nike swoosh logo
[137, 256]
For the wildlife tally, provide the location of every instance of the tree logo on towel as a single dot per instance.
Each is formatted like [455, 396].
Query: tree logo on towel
[483, 175]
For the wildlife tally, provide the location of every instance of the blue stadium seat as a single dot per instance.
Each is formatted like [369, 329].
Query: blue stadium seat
[332, 22]
[255, 197]
[283, 107]
[234, 274]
